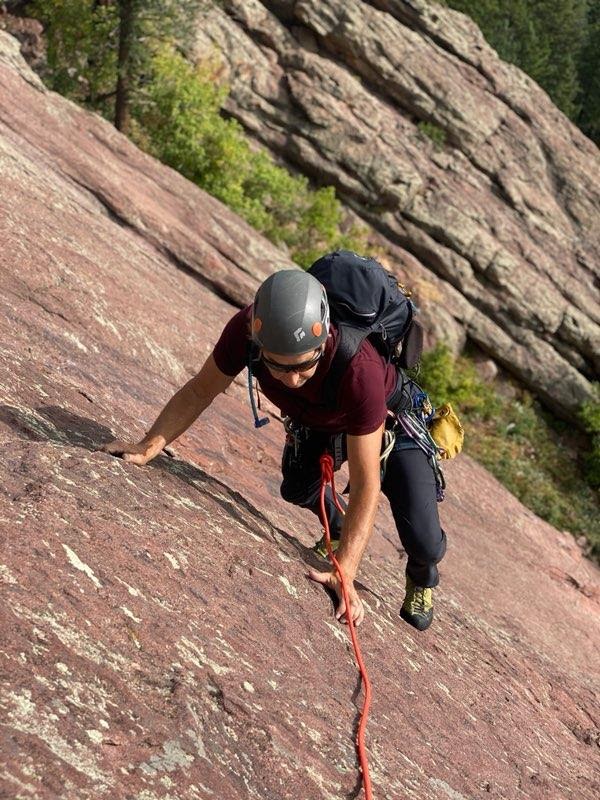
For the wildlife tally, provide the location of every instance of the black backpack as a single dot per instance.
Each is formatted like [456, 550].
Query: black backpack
[366, 301]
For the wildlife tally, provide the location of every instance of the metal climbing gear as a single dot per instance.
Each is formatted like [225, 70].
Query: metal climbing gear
[414, 423]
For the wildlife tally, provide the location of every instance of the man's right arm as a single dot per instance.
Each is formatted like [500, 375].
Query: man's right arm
[181, 411]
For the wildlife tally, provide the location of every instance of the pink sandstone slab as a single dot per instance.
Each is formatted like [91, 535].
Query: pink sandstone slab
[159, 636]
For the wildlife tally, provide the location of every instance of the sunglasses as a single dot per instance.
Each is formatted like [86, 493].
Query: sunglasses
[304, 366]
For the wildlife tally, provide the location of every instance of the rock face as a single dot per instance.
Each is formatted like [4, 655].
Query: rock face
[158, 636]
[30, 34]
[504, 215]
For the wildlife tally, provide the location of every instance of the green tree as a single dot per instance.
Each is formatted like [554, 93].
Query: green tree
[545, 38]
[128, 16]
[123, 58]
[179, 121]
[100, 51]
[561, 26]
[589, 76]
[82, 44]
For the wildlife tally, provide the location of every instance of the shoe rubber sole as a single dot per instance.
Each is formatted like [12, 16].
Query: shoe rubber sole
[419, 621]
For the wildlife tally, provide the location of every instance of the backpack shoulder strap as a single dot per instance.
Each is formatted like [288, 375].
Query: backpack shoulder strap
[412, 346]
[349, 342]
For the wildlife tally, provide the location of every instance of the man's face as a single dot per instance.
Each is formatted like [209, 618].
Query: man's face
[292, 371]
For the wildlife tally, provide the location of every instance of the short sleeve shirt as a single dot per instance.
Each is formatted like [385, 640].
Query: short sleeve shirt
[361, 408]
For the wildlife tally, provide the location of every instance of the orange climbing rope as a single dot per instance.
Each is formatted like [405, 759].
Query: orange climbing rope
[327, 478]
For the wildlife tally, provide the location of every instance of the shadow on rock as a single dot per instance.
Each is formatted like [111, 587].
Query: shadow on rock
[55, 424]
[26, 423]
[74, 429]
[240, 509]
[231, 501]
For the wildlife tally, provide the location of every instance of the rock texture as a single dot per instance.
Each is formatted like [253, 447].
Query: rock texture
[504, 216]
[159, 639]
[30, 34]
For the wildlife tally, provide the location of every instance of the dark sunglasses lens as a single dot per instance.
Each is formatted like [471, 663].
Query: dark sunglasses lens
[302, 367]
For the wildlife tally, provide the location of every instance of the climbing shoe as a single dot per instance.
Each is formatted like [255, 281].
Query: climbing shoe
[417, 608]
[320, 548]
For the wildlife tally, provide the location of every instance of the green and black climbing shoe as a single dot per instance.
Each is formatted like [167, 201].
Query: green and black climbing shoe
[320, 548]
[417, 608]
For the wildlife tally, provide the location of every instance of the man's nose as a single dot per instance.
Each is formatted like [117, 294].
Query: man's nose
[291, 378]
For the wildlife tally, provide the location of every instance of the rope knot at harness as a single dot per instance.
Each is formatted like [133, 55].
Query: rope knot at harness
[327, 468]
[327, 478]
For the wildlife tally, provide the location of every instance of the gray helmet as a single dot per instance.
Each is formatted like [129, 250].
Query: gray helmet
[290, 313]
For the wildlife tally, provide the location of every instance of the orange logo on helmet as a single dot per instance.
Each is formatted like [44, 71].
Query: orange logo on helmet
[317, 329]
[257, 324]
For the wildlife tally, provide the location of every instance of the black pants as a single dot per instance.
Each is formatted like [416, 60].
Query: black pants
[409, 485]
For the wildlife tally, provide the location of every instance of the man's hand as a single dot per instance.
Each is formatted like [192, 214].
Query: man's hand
[140, 453]
[363, 464]
[330, 581]
[181, 411]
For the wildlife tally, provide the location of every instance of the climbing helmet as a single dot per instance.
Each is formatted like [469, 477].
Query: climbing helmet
[290, 315]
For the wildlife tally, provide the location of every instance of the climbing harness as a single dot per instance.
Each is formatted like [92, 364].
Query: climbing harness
[327, 478]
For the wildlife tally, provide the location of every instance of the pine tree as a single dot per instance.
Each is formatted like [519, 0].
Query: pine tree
[545, 38]
[100, 51]
[589, 76]
[144, 26]
[128, 12]
[561, 25]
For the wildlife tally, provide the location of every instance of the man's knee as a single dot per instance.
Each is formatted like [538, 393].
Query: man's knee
[289, 492]
[431, 547]
[426, 545]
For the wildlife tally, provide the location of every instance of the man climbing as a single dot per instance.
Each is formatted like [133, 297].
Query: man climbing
[288, 341]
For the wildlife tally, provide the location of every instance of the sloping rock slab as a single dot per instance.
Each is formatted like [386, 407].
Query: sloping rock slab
[159, 638]
[189, 227]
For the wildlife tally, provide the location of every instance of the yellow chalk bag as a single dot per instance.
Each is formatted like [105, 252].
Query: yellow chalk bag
[446, 431]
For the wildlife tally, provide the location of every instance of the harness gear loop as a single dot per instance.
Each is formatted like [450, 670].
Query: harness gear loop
[414, 422]
[388, 442]
[327, 478]
[416, 429]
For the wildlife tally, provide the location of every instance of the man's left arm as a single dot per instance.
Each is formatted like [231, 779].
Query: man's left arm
[363, 465]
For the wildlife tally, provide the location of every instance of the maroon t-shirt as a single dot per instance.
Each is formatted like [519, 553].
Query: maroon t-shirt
[367, 382]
